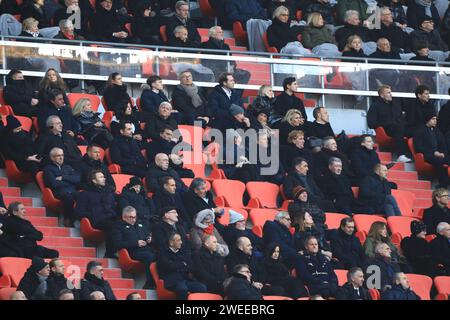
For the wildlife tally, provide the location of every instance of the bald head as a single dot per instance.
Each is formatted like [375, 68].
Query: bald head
[162, 161]
[245, 245]
[97, 295]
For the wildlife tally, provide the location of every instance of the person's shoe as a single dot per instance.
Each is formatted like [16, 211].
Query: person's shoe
[403, 158]
[390, 165]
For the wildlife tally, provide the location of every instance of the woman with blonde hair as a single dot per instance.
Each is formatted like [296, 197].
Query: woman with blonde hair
[353, 47]
[295, 148]
[293, 120]
[318, 38]
[378, 233]
[92, 127]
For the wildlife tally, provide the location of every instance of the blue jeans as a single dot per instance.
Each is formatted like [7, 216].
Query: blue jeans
[391, 207]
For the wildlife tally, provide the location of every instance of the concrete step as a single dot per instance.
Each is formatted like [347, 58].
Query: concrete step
[423, 203]
[385, 156]
[403, 175]
[420, 193]
[121, 283]
[25, 200]
[397, 166]
[3, 182]
[10, 191]
[411, 184]
[83, 261]
[75, 252]
[35, 212]
[43, 221]
[54, 231]
[62, 241]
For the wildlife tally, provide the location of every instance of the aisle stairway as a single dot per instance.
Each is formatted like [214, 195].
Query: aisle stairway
[68, 241]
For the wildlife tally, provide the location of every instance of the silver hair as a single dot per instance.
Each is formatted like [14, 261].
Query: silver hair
[212, 31]
[64, 23]
[280, 215]
[178, 29]
[50, 119]
[350, 13]
[441, 226]
[54, 150]
[128, 209]
[378, 246]
[333, 160]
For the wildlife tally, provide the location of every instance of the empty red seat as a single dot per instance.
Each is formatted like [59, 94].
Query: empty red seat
[128, 264]
[442, 284]
[333, 220]
[94, 99]
[206, 9]
[5, 293]
[13, 269]
[161, 292]
[26, 123]
[192, 135]
[195, 161]
[204, 296]
[229, 193]
[341, 275]
[421, 285]
[263, 194]
[89, 233]
[17, 175]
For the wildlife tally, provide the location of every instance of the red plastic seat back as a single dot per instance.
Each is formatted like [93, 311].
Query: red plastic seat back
[333, 220]
[195, 161]
[341, 275]
[442, 284]
[363, 222]
[231, 190]
[192, 135]
[260, 216]
[265, 192]
[405, 200]
[204, 296]
[5, 293]
[162, 33]
[15, 268]
[400, 225]
[121, 180]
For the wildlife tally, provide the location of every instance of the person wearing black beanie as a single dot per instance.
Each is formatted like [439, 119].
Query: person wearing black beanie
[416, 249]
[431, 142]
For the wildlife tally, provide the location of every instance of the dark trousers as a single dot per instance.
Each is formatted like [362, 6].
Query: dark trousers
[182, 288]
[397, 132]
[134, 170]
[68, 201]
[442, 173]
[40, 251]
[106, 226]
[146, 257]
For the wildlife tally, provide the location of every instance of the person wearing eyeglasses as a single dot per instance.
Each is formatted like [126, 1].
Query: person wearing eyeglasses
[240, 286]
[440, 249]
[438, 212]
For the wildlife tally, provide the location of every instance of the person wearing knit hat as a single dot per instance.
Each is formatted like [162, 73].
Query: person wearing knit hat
[417, 250]
[169, 223]
[204, 225]
[235, 217]
[235, 110]
[34, 282]
[240, 121]
[431, 142]
[135, 181]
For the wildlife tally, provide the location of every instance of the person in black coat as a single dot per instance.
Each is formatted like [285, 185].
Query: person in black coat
[415, 109]
[330, 150]
[126, 152]
[221, 98]
[300, 177]
[354, 288]
[303, 204]
[243, 253]
[115, 93]
[209, 266]
[292, 121]
[236, 229]
[21, 232]
[363, 158]
[321, 127]
[63, 180]
[198, 198]
[337, 188]
[92, 161]
[134, 236]
[391, 31]
[161, 169]
[34, 282]
[175, 267]
[35, 9]
[429, 141]
[134, 195]
[316, 271]
[387, 268]
[444, 120]
[8, 247]
[240, 285]
[54, 137]
[181, 18]
[287, 100]
[278, 274]
[295, 148]
[97, 203]
[190, 101]
[417, 250]
[352, 26]
[440, 249]
[389, 77]
[145, 24]
[106, 24]
[401, 290]
[164, 143]
[280, 33]
[375, 193]
[19, 94]
[152, 95]
[19, 147]
[387, 113]
[438, 212]
[278, 231]
[163, 118]
[57, 107]
[345, 246]
[166, 196]
[169, 223]
[94, 281]
[56, 281]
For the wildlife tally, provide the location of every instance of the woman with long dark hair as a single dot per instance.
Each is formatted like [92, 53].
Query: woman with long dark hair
[115, 93]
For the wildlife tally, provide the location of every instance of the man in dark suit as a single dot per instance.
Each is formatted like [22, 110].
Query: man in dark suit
[181, 18]
[439, 212]
[198, 198]
[354, 288]
[135, 236]
[440, 247]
